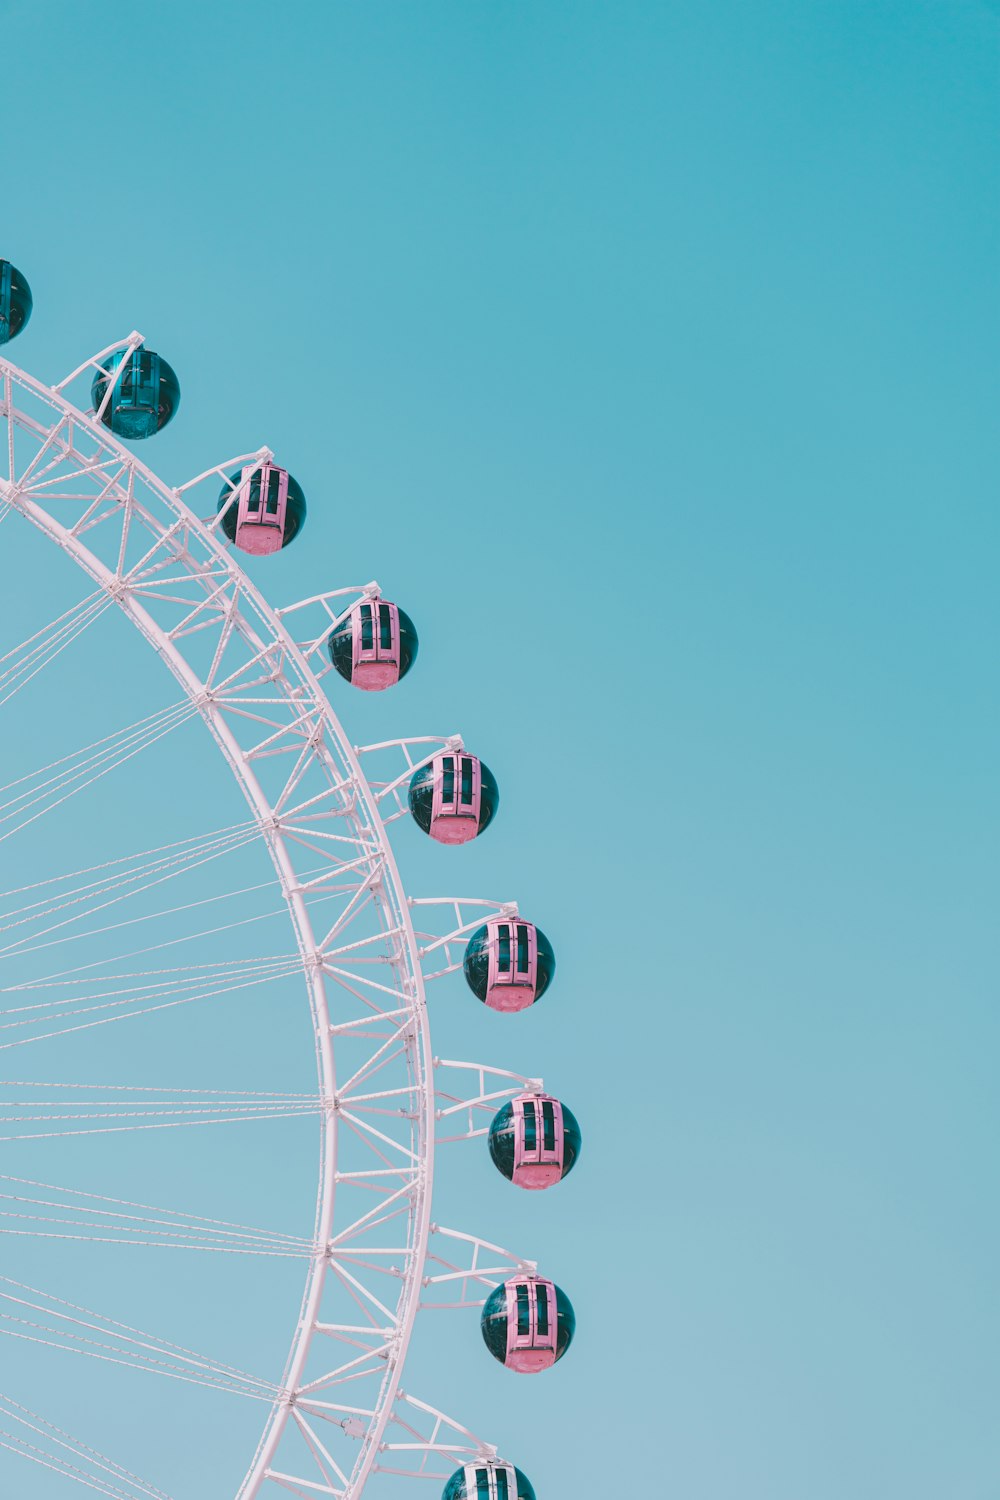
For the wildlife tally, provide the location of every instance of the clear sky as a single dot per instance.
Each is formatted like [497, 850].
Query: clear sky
[647, 353]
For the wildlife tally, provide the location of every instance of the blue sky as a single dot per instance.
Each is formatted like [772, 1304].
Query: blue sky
[647, 353]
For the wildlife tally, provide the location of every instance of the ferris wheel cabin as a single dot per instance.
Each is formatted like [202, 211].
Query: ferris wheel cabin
[488, 1480]
[509, 963]
[454, 797]
[145, 393]
[15, 302]
[375, 645]
[528, 1324]
[263, 509]
[534, 1141]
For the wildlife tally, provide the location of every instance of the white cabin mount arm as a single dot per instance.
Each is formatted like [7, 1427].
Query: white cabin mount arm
[358, 949]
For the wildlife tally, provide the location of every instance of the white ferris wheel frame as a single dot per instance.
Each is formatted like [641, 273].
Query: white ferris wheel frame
[172, 574]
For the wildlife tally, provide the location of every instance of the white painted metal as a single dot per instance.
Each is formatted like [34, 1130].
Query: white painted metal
[172, 575]
[323, 821]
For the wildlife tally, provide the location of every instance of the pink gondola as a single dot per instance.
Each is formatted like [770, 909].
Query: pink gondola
[456, 803]
[539, 1141]
[261, 504]
[531, 1325]
[513, 965]
[375, 642]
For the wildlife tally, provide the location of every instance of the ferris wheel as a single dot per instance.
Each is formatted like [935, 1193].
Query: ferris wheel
[167, 560]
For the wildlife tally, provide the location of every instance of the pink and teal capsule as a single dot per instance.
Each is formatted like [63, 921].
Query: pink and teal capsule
[528, 1324]
[374, 646]
[453, 797]
[509, 964]
[535, 1141]
[145, 393]
[15, 302]
[263, 509]
[488, 1479]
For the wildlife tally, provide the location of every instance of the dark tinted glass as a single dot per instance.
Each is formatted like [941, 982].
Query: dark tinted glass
[503, 949]
[542, 1302]
[501, 1141]
[503, 1492]
[565, 1319]
[489, 796]
[16, 310]
[367, 637]
[525, 1490]
[408, 643]
[483, 1484]
[523, 1312]
[548, 1125]
[384, 627]
[530, 1134]
[448, 779]
[295, 512]
[522, 948]
[273, 491]
[466, 780]
[572, 1140]
[478, 961]
[339, 646]
[545, 966]
[421, 798]
[140, 378]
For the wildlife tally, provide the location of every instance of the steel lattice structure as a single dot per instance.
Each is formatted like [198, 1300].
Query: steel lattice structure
[253, 674]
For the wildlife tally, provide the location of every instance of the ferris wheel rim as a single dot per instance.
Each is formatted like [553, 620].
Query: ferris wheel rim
[269, 829]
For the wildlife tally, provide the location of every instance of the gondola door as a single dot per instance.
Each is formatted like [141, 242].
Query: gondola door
[457, 798]
[262, 505]
[513, 965]
[531, 1325]
[538, 1141]
[375, 638]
